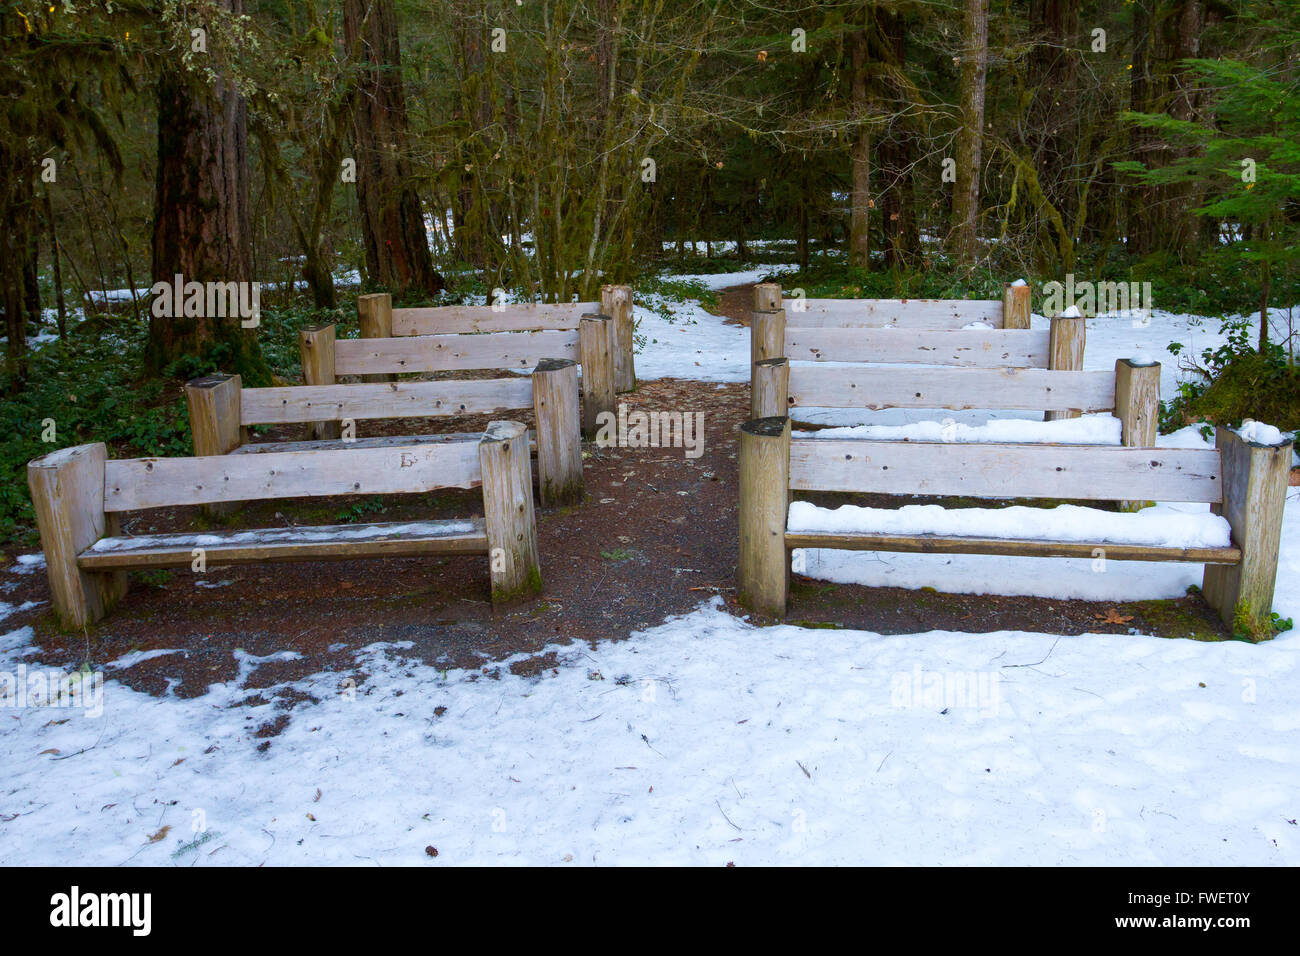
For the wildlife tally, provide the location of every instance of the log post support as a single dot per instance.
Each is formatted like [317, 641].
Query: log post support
[763, 572]
[767, 335]
[1065, 353]
[1137, 406]
[375, 317]
[596, 347]
[767, 296]
[316, 345]
[616, 302]
[508, 508]
[67, 488]
[1015, 306]
[1254, 495]
[559, 432]
[214, 408]
[769, 394]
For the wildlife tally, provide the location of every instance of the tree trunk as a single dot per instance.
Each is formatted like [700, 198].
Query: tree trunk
[17, 209]
[860, 212]
[201, 219]
[56, 258]
[392, 219]
[974, 69]
[897, 154]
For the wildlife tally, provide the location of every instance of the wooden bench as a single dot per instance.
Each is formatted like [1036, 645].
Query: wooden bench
[1243, 481]
[1131, 392]
[1012, 312]
[379, 320]
[220, 408]
[78, 494]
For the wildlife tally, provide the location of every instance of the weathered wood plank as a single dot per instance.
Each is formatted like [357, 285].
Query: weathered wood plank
[378, 441]
[317, 347]
[1086, 472]
[890, 313]
[520, 317]
[763, 569]
[306, 403]
[940, 544]
[1254, 499]
[67, 489]
[317, 543]
[559, 432]
[953, 388]
[511, 521]
[164, 482]
[449, 353]
[977, 348]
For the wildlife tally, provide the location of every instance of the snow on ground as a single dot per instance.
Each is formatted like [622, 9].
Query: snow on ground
[705, 740]
[702, 741]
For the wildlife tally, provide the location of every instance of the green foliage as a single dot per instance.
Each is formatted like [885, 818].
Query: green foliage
[1234, 382]
[371, 506]
[677, 290]
[939, 280]
[1247, 626]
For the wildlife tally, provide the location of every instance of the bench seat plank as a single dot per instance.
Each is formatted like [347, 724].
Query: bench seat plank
[315, 543]
[942, 544]
[377, 441]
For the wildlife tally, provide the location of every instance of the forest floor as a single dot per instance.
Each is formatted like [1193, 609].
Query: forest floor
[654, 536]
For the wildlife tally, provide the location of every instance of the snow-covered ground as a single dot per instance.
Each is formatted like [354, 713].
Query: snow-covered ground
[706, 740]
[702, 741]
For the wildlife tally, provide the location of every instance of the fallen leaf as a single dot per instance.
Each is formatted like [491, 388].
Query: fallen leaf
[1112, 616]
[160, 834]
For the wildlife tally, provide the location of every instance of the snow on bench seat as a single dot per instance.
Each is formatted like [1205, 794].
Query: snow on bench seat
[379, 441]
[1086, 430]
[339, 542]
[1158, 533]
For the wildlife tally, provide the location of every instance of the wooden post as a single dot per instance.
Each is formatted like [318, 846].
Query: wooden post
[1137, 406]
[1254, 495]
[764, 566]
[214, 407]
[559, 431]
[767, 335]
[596, 348]
[616, 301]
[1015, 306]
[769, 393]
[375, 315]
[1065, 353]
[508, 507]
[316, 344]
[67, 488]
[767, 296]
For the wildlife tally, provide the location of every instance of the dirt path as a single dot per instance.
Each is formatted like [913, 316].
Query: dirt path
[655, 535]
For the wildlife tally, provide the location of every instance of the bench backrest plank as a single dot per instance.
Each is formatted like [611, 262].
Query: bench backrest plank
[167, 482]
[878, 387]
[975, 348]
[1088, 472]
[310, 403]
[521, 317]
[891, 313]
[454, 352]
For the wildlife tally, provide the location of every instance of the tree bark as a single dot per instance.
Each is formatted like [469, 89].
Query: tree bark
[201, 218]
[392, 218]
[974, 69]
[860, 214]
